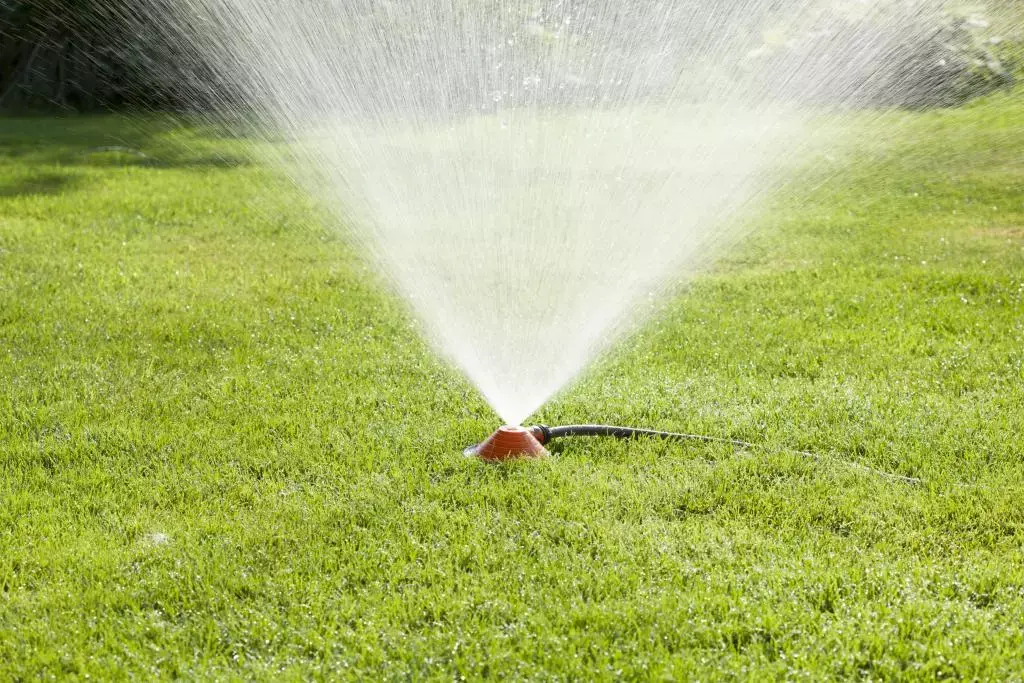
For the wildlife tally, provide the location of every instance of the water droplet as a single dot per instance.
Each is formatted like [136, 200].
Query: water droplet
[158, 538]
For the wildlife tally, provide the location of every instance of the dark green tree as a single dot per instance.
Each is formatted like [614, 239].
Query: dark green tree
[90, 54]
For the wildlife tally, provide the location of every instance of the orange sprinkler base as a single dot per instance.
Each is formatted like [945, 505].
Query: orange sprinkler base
[508, 443]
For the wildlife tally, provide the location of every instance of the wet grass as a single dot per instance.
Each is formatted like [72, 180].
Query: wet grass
[224, 452]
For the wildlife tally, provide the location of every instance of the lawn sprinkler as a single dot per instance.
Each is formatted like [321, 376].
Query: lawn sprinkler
[514, 443]
[520, 443]
[509, 443]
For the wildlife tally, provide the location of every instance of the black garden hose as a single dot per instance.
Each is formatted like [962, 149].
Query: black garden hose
[545, 434]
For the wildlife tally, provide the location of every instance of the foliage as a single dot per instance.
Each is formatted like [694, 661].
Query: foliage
[918, 59]
[88, 54]
[92, 54]
[225, 455]
[950, 63]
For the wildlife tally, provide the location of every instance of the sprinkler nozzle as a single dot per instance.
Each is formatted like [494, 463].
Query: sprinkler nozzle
[509, 443]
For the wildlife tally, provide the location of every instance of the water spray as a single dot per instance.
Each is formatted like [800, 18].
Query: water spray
[529, 173]
[535, 170]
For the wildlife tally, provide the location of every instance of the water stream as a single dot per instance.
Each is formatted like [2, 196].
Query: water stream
[529, 173]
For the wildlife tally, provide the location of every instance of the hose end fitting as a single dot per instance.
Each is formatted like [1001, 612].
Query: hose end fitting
[541, 432]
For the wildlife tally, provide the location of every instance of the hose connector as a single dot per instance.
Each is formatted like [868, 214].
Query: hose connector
[541, 432]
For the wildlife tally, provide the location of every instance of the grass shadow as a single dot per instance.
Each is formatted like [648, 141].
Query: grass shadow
[117, 141]
[39, 184]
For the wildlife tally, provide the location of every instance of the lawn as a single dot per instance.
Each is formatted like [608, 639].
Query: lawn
[225, 453]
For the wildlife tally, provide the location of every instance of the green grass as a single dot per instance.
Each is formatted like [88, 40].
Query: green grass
[224, 452]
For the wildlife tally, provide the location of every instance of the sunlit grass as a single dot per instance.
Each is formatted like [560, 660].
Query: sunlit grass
[224, 451]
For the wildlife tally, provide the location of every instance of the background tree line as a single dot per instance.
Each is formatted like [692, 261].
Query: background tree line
[85, 55]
